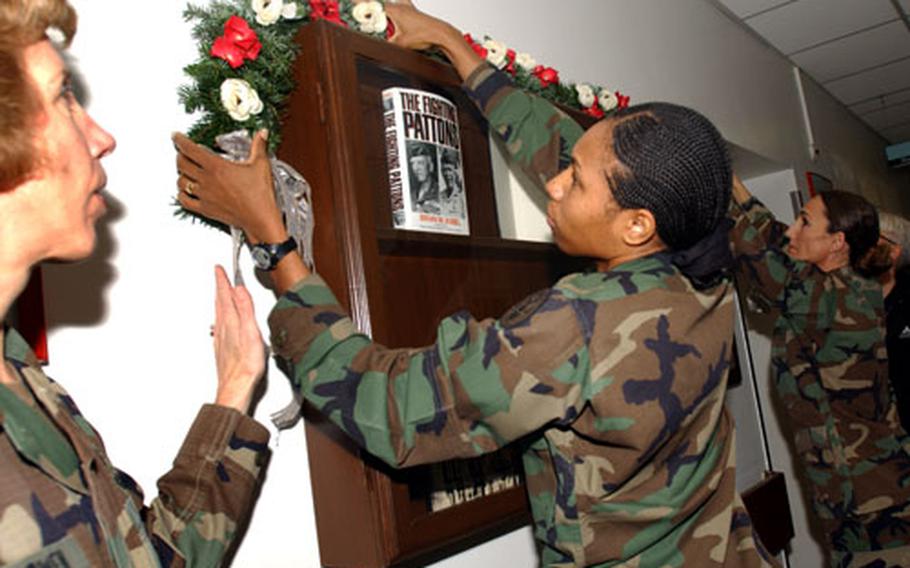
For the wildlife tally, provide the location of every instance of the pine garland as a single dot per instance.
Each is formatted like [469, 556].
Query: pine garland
[270, 72]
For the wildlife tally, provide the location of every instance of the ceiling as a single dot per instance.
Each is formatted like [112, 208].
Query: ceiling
[859, 50]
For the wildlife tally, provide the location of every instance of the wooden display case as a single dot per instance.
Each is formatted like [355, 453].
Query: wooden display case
[397, 285]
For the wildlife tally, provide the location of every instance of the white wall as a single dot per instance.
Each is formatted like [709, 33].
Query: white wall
[130, 327]
[139, 360]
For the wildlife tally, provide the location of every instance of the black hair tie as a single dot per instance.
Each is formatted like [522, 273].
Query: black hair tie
[709, 260]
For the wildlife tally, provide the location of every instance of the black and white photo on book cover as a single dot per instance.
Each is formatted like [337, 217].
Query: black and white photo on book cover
[423, 155]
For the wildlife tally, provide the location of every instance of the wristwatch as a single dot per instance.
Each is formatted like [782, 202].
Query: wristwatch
[267, 255]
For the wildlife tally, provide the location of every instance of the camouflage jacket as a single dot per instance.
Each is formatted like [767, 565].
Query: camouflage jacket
[62, 503]
[830, 371]
[619, 378]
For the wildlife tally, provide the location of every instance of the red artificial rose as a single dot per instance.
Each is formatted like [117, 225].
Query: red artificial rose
[238, 44]
[595, 110]
[478, 48]
[326, 10]
[623, 100]
[510, 57]
[389, 29]
[546, 75]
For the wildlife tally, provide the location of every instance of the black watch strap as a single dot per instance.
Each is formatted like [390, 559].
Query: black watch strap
[266, 256]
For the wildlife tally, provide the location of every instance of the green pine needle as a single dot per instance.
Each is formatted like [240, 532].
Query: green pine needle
[271, 74]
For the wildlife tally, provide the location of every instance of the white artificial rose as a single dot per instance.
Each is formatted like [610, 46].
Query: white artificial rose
[56, 36]
[240, 99]
[525, 61]
[496, 53]
[268, 11]
[370, 17]
[289, 11]
[586, 96]
[607, 99]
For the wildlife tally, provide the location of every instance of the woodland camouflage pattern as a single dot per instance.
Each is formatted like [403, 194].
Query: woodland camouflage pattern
[831, 375]
[62, 503]
[620, 376]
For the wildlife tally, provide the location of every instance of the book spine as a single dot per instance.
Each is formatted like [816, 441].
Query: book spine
[394, 147]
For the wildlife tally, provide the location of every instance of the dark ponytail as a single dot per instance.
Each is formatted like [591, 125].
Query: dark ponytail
[876, 262]
[857, 219]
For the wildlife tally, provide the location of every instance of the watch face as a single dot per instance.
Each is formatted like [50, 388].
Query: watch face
[261, 258]
[266, 256]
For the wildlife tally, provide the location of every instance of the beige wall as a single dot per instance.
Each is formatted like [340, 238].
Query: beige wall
[853, 155]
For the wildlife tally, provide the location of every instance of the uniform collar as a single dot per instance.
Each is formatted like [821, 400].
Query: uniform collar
[32, 432]
[660, 260]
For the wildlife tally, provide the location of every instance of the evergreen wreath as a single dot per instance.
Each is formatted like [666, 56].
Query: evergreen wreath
[243, 74]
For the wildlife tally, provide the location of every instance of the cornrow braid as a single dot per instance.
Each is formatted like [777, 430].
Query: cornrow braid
[678, 168]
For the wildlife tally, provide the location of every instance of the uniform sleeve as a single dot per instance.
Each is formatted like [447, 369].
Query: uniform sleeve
[206, 498]
[538, 136]
[757, 239]
[480, 385]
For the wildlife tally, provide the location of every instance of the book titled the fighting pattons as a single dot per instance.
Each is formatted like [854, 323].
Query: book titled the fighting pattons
[423, 156]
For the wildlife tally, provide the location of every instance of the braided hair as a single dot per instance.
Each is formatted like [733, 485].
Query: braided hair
[678, 168]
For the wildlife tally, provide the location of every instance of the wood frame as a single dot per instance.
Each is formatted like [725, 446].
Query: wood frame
[395, 284]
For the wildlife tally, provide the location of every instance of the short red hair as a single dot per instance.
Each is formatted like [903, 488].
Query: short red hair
[23, 23]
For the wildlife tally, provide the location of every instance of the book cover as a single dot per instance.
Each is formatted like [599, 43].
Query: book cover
[423, 156]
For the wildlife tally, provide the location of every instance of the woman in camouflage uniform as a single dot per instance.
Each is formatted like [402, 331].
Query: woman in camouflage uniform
[830, 368]
[617, 377]
[62, 502]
